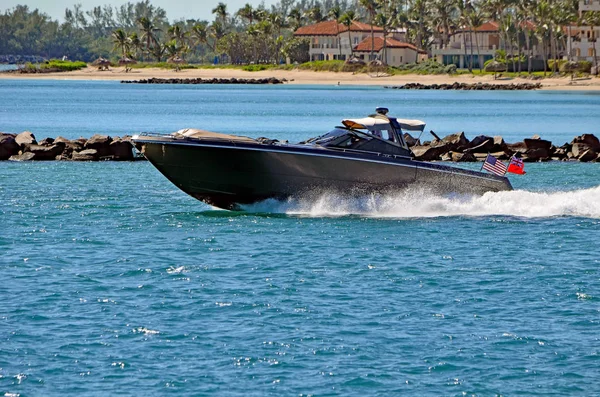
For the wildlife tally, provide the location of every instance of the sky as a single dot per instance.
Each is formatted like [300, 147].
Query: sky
[176, 9]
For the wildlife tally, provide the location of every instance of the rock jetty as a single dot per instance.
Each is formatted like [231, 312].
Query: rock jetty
[455, 147]
[25, 147]
[269, 80]
[468, 86]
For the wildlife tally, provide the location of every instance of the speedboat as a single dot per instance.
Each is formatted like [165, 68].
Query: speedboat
[364, 155]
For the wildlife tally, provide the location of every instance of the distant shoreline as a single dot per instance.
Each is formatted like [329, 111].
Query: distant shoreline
[304, 77]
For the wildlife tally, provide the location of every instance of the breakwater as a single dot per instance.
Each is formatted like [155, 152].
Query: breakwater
[233, 80]
[454, 147]
[25, 147]
[468, 86]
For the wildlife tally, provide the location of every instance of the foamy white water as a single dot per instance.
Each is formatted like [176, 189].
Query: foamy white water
[421, 204]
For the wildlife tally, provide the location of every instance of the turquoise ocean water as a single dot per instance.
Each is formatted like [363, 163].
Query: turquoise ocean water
[113, 281]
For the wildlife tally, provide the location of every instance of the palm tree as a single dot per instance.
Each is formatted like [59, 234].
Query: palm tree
[371, 8]
[278, 23]
[335, 13]
[200, 35]
[295, 18]
[593, 19]
[347, 20]
[475, 21]
[120, 41]
[418, 14]
[464, 24]
[158, 51]
[221, 12]
[247, 12]
[135, 43]
[178, 34]
[444, 11]
[148, 31]
[542, 13]
[508, 27]
[315, 14]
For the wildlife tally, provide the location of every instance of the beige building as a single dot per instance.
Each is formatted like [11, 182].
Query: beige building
[583, 39]
[395, 52]
[327, 37]
[330, 40]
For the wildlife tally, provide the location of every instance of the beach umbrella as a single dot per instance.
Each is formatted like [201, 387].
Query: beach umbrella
[495, 67]
[177, 60]
[102, 63]
[127, 61]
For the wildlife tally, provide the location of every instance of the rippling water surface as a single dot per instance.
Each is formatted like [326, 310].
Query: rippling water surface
[115, 282]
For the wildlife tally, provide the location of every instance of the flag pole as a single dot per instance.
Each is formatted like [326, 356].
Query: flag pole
[481, 169]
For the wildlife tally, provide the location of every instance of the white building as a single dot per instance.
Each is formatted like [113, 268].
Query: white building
[477, 46]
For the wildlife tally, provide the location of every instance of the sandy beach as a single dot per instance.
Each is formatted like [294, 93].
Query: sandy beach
[306, 77]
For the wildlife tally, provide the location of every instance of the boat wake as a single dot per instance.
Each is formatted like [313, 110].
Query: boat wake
[423, 204]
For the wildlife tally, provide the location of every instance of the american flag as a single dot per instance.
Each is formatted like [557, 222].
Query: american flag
[494, 165]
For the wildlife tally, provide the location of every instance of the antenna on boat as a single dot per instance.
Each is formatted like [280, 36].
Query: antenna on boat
[382, 111]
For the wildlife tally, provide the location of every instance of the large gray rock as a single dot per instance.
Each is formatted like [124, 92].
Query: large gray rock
[533, 155]
[25, 138]
[410, 140]
[428, 153]
[85, 155]
[478, 140]
[589, 139]
[8, 146]
[463, 157]
[588, 155]
[46, 142]
[499, 144]
[533, 144]
[100, 143]
[484, 147]
[579, 148]
[457, 140]
[76, 145]
[517, 147]
[45, 152]
[121, 149]
[27, 156]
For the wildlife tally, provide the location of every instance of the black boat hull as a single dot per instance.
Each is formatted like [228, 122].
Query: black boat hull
[226, 174]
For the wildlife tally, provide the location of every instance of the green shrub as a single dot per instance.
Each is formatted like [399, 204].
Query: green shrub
[560, 64]
[585, 66]
[323, 66]
[257, 68]
[450, 69]
[428, 67]
[65, 66]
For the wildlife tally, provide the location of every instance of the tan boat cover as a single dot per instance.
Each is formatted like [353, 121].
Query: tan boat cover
[379, 123]
[202, 134]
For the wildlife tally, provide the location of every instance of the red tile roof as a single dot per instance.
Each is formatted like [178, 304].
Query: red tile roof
[493, 26]
[328, 28]
[365, 45]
